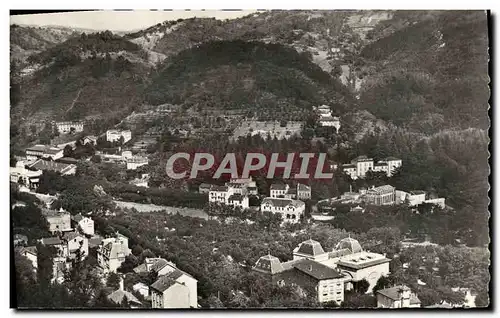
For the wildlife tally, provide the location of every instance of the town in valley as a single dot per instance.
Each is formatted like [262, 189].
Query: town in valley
[401, 221]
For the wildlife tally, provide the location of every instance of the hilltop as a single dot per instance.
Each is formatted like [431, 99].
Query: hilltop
[27, 40]
[86, 75]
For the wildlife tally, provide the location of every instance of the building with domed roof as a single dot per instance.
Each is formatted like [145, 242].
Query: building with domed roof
[347, 259]
[312, 277]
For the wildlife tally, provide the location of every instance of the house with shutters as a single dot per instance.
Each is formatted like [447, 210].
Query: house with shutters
[86, 224]
[397, 297]
[174, 288]
[111, 252]
[291, 210]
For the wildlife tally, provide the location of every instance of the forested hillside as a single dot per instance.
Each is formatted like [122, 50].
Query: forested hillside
[431, 74]
[25, 41]
[241, 74]
[93, 74]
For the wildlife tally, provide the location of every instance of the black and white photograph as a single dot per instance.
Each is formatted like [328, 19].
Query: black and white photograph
[250, 159]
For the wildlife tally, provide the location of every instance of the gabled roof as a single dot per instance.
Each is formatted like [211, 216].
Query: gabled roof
[219, 188]
[51, 241]
[348, 166]
[317, 270]
[310, 247]
[51, 166]
[118, 295]
[71, 235]
[163, 283]
[391, 158]
[417, 192]
[303, 187]
[282, 202]
[393, 293]
[278, 186]
[29, 249]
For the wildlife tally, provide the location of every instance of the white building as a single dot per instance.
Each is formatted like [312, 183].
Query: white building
[89, 140]
[290, 210]
[280, 190]
[392, 163]
[85, 223]
[325, 117]
[114, 135]
[382, 195]
[174, 288]
[238, 200]
[44, 151]
[30, 252]
[233, 194]
[65, 127]
[76, 241]
[135, 162]
[361, 165]
[397, 297]
[19, 174]
[330, 122]
[219, 194]
[142, 289]
[59, 221]
[111, 252]
[49, 165]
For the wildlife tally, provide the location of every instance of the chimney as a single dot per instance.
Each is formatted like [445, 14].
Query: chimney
[310, 268]
[121, 283]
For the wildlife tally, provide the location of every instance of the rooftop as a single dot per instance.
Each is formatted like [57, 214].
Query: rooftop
[350, 244]
[163, 283]
[118, 295]
[310, 247]
[417, 192]
[393, 293]
[219, 188]
[278, 186]
[282, 202]
[303, 187]
[317, 270]
[236, 197]
[52, 166]
[362, 260]
[51, 241]
[268, 264]
[361, 158]
[382, 189]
